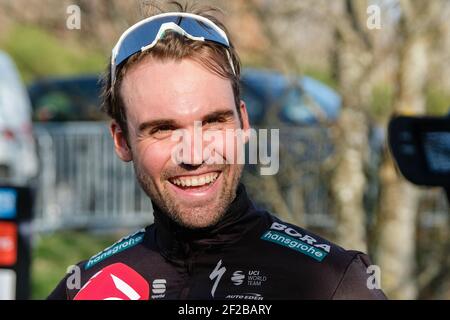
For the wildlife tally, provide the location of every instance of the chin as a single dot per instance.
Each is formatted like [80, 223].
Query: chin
[198, 218]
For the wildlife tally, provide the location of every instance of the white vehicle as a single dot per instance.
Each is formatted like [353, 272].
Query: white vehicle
[18, 158]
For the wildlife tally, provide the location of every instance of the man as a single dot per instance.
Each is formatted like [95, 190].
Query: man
[173, 78]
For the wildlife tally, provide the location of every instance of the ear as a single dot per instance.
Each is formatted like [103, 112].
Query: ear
[120, 142]
[245, 120]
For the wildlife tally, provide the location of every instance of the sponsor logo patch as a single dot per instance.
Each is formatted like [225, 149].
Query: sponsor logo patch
[245, 296]
[250, 278]
[294, 244]
[159, 288]
[121, 245]
[216, 275]
[238, 278]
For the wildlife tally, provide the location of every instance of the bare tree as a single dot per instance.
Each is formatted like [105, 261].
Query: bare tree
[356, 58]
[354, 63]
[397, 217]
[281, 192]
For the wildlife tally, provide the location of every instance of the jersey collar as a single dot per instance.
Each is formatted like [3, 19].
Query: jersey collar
[179, 243]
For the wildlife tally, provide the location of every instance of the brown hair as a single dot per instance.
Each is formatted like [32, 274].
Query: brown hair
[177, 47]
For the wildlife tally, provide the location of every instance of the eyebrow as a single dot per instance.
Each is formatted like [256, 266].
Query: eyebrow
[218, 114]
[226, 113]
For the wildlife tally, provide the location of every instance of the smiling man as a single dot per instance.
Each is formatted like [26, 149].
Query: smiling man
[172, 92]
[162, 96]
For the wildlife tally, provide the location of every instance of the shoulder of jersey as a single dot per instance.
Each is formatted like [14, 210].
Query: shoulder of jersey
[289, 237]
[126, 243]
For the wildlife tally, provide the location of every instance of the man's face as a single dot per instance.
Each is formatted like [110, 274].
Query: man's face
[164, 97]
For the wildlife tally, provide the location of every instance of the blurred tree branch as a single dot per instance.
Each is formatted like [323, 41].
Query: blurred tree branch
[397, 216]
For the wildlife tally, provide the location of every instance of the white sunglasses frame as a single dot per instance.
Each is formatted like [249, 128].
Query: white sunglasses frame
[164, 27]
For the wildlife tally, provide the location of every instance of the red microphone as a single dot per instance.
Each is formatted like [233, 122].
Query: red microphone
[115, 282]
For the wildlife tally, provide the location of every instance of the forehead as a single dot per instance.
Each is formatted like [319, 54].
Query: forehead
[181, 90]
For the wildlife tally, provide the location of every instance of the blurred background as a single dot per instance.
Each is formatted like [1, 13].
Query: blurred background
[328, 74]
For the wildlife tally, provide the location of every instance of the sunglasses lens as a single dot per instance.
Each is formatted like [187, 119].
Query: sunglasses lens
[146, 33]
[199, 29]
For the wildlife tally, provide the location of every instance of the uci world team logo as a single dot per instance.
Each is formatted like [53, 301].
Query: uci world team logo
[254, 278]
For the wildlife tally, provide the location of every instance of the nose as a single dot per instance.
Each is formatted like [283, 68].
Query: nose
[193, 145]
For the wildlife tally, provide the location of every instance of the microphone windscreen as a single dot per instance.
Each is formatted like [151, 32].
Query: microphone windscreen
[115, 282]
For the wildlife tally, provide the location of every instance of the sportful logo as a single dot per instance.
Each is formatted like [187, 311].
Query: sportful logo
[159, 288]
[217, 274]
[121, 245]
[292, 239]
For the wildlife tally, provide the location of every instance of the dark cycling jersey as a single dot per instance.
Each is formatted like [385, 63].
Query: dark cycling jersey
[249, 254]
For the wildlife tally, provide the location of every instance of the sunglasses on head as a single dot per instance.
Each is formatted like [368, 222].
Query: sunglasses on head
[145, 34]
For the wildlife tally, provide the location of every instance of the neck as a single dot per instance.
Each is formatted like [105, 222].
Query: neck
[175, 238]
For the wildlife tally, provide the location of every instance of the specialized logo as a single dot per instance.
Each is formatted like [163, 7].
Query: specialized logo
[245, 296]
[251, 278]
[159, 288]
[292, 239]
[8, 244]
[217, 274]
[121, 245]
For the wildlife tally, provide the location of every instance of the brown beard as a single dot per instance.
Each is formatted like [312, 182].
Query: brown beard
[196, 216]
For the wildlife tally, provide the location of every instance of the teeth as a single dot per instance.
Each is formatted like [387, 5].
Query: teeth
[195, 181]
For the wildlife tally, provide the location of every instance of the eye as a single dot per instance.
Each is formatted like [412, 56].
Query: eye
[161, 131]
